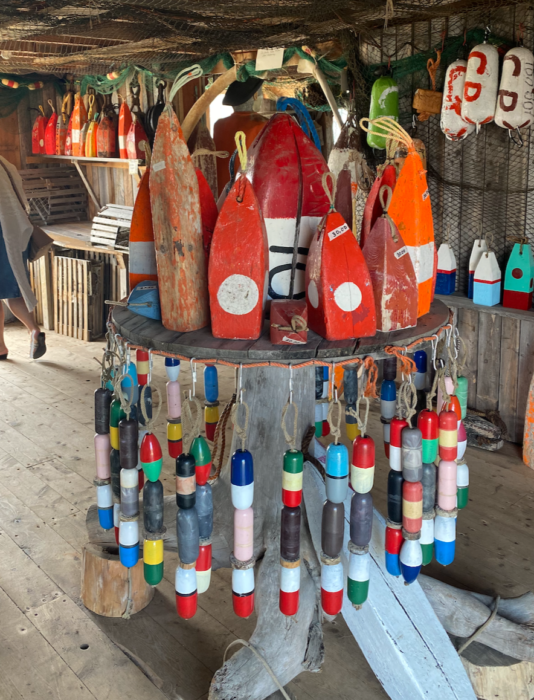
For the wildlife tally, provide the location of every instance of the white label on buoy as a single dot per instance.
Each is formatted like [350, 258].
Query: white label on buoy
[425, 195]
[238, 295]
[348, 296]
[400, 252]
[313, 294]
[338, 231]
[293, 341]
[158, 166]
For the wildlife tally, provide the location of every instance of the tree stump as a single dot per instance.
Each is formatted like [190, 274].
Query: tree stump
[108, 588]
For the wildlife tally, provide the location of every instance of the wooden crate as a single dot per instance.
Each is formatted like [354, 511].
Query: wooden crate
[78, 297]
[41, 284]
[111, 226]
[55, 194]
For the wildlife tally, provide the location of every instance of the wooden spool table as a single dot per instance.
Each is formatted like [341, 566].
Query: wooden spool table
[290, 645]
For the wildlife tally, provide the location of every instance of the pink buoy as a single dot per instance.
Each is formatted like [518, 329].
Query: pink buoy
[174, 401]
[243, 534]
[102, 452]
[447, 472]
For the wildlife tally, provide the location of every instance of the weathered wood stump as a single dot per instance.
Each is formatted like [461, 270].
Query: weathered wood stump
[108, 588]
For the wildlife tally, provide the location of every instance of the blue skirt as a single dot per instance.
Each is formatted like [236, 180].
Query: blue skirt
[9, 288]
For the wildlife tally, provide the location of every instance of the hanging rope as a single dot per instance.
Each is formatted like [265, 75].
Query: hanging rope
[407, 400]
[150, 422]
[183, 78]
[433, 391]
[335, 428]
[126, 403]
[290, 439]
[330, 192]
[241, 144]
[219, 440]
[195, 423]
[407, 364]
[372, 378]
[303, 116]
[241, 431]
[388, 128]
[207, 152]
[385, 195]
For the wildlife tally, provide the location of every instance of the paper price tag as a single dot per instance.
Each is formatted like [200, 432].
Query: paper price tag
[269, 59]
[158, 166]
[293, 341]
[338, 231]
[132, 167]
[400, 252]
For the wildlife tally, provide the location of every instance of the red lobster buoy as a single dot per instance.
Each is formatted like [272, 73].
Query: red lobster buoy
[125, 122]
[392, 274]
[50, 132]
[340, 296]
[38, 133]
[238, 266]
[136, 139]
[285, 171]
[77, 120]
[373, 207]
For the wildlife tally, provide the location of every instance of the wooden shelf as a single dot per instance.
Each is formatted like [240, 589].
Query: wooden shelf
[460, 301]
[120, 163]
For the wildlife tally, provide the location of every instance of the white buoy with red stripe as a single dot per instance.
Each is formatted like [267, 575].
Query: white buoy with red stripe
[479, 247]
[452, 123]
[487, 280]
[481, 85]
[289, 587]
[515, 101]
[185, 586]
[331, 585]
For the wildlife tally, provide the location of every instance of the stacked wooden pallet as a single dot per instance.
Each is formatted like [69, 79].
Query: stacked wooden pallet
[55, 194]
[111, 226]
[78, 297]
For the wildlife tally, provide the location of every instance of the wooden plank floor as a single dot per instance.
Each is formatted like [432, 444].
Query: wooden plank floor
[51, 647]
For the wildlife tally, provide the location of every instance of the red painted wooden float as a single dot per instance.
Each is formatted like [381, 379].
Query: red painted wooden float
[285, 171]
[238, 269]
[392, 274]
[339, 293]
[175, 204]
[373, 208]
[38, 133]
[125, 122]
[136, 139]
[50, 132]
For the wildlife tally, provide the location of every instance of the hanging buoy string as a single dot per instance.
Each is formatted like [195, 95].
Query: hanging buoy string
[126, 402]
[183, 78]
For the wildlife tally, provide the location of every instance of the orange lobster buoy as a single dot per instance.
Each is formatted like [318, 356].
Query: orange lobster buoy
[136, 140]
[125, 122]
[38, 133]
[411, 211]
[77, 120]
[105, 139]
[373, 208]
[339, 293]
[86, 127]
[175, 203]
[392, 273]
[50, 132]
[239, 262]
[142, 252]
[61, 127]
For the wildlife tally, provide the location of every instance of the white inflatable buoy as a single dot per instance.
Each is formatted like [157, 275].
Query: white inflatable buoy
[452, 123]
[515, 102]
[481, 84]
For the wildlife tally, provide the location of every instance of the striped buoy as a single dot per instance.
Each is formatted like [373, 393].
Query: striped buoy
[479, 246]
[421, 363]
[448, 435]
[445, 536]
[129, 492]
[358, 578]
[174, 411]
[153, 560]
[128, 540]
[386, 433]
[104, 503]
[331, 585]
[174, 437]
[446, 275]
[412, 506]
[289, 587]
[186, 484]
[185, 585]
[411, 560]
[292, 478]
[201, 453]
[350, 388]
[318, 406]
[462, 482]
[203, 566]
[115, 416]
[243, 592]
[211, 407]
[337, 472]
[427, 538]
[143, 367]
[151, 457]
[428, 424]
[395, 446]
[172, 368]
[487, 281]
[362, 470]
[388, 399]
[447, 474]
[242, 479]
[394, 540]
[324, 405]
[204, 508]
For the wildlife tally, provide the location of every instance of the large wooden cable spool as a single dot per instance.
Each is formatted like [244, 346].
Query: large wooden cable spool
[110, 589]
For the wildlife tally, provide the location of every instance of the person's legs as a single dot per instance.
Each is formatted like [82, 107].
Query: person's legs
[20, 310]
[3, 349]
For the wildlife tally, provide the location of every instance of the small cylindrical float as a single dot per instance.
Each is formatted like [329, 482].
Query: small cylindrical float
[394, 496]
[153, 560]
[462, 483]
[397, 425]
[447, 473]
[151, 457]
[350, 388]
[326, 381]
[427, 538]
[128, 432]
[115, 464]
[102, 456]
[461, 392]
[102, 410]
[361, 519]
[185, 585]
[174, 400]
[412, 456]
[394, 540]
[388, 399]
[362, 470]
[411, 560]
[211, 407]
[445, 536]
[419, 378]
[104, 503]
[331, 585]
[128, 541]
[201, 453]
[332, 528]
[429, 487]
[462, 440]
[143, 367]
[116, 414]
[242, 479]
[174, 437]
[292, 478]
[318, 419]
[129, 383]
[153, 507]
[290, 533]
[289, 587]
[203, 566]
[129, 492]
[186, 484]
[8, 82]
[428, 424]
[358, 578]
[243, 591]
[187, 535]
[204, 506]
[318, 406]
[412, 506]
[386, 432]
[448, 435]
[172, 368]
[116, 519]
[337, 472]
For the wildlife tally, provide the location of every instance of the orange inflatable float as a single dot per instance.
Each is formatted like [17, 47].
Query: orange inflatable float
[77, 120]
[142, 251]
[411, 211]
